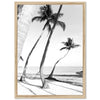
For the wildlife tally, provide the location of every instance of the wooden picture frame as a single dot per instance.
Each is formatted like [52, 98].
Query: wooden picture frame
[83, 12]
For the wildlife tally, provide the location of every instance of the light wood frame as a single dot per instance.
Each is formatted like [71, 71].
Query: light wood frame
[84, 51]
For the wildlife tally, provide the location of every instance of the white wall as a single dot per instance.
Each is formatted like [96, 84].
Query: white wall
[7, 49]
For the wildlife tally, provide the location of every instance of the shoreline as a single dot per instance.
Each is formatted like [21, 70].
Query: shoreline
[76, 80]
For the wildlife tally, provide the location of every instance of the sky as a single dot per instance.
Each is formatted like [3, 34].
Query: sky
[73, 18]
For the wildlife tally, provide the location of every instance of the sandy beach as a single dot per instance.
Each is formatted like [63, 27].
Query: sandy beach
[33, 87]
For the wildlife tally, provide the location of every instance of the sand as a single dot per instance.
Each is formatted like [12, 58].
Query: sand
[33, 87]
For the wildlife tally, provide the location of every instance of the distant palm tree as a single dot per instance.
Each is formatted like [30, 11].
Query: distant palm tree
[68, 46]
[45, 14]
[53, 19]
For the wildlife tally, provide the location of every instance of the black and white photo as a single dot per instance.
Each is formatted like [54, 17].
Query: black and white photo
[50, 49]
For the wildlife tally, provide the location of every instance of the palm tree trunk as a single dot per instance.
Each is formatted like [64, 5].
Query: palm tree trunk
[51, 74]
[26, 63]
[24, 21]
[45, 52]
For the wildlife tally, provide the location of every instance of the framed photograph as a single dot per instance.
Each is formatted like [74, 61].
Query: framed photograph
[50, 50]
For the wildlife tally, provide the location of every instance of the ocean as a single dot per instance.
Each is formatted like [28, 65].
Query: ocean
[58, 70]
[63, 74]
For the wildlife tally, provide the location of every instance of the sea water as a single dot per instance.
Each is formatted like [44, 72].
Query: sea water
[64, 70]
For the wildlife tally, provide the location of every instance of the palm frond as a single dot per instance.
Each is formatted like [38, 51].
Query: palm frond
[62, 24]
[75, 45]
[49, 10]
[43, 18]
[45, 11]
[42, 10]
[65, 43]
[37, 18]
[42, 7]
[48, 26]
[55, 14]
[63, 48]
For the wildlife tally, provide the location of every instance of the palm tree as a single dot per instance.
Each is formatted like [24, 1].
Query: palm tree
[53, 19]
[68, 46]
[45, 14]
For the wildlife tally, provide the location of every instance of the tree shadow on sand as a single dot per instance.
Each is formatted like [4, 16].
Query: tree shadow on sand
[69, 82]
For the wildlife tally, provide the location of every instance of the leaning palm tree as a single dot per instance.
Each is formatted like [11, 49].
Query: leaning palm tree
[68, 46]
[53, 19]
[45, 14]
